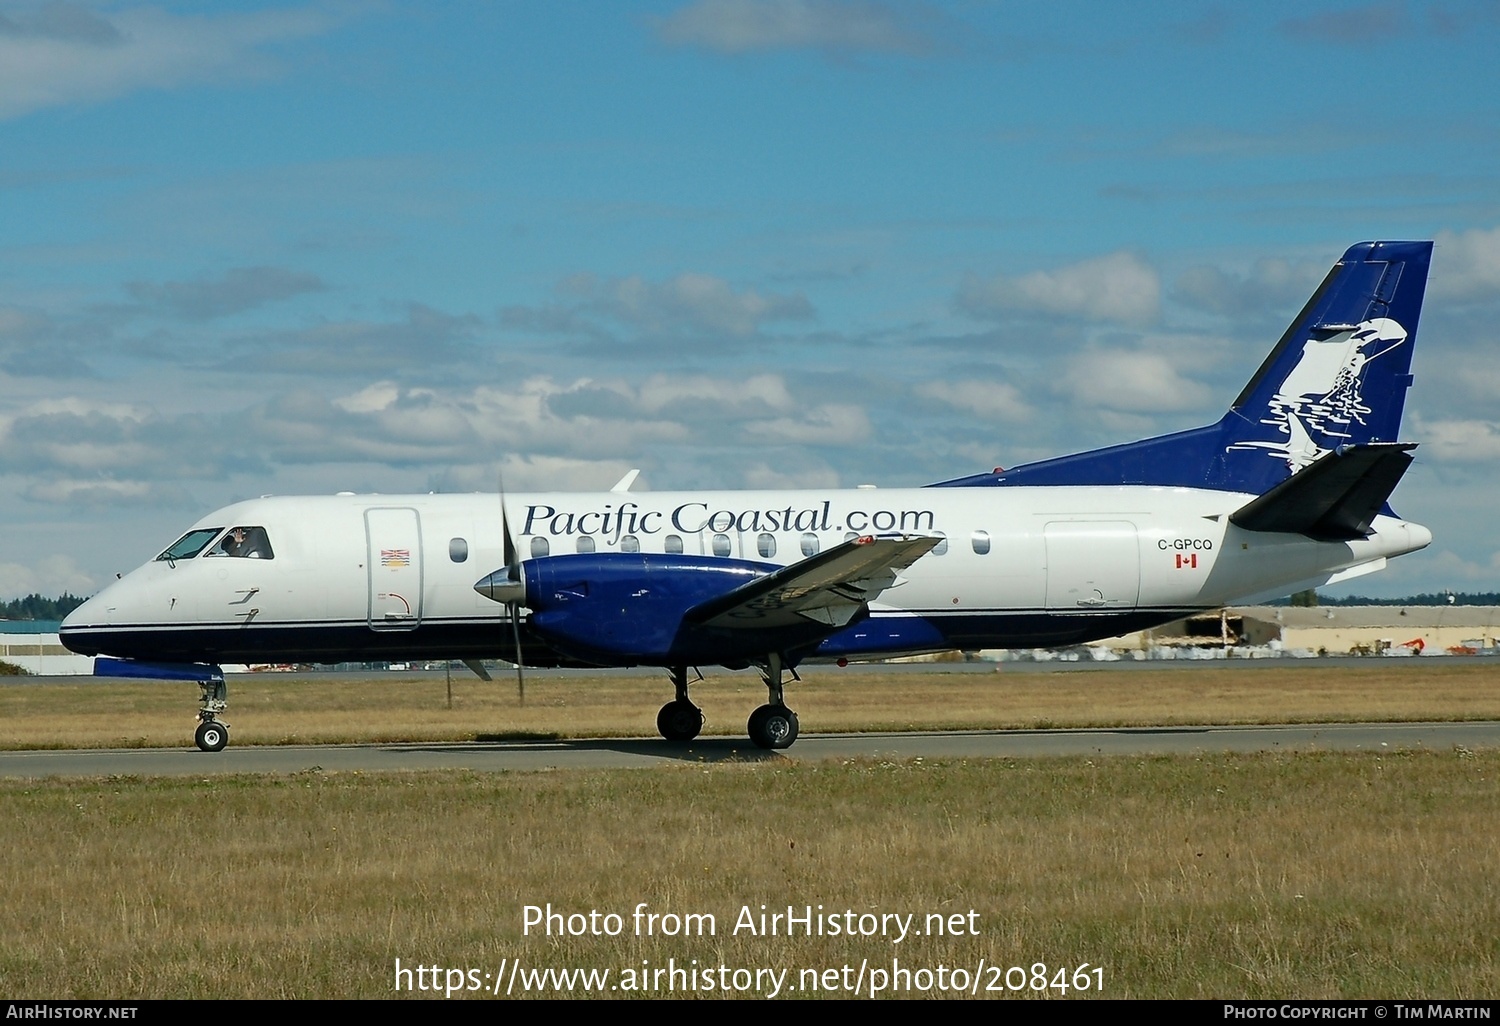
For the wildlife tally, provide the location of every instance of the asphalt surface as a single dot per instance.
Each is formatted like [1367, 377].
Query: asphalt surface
[623, 753]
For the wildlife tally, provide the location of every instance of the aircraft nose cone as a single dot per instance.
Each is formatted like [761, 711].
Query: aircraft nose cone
[499, 587]
[88, 612]
[74, 632]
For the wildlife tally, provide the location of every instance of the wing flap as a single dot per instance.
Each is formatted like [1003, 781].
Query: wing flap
[830, 588]
[1335, 498]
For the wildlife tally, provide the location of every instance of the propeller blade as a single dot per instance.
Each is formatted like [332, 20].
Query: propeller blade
[512, 591]
[511, 560]
[515, 629]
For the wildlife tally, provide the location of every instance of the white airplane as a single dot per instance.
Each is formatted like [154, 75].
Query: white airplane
[1287, 491]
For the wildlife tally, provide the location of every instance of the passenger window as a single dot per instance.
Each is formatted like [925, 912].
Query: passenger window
[674, 544]
[766, 545]
[721, 544]
[539, 547]
[190, 544]
[458, 549]
[585, 544]
[244, 543]
[941, 548]
[630, 543]
[981, 542]
[809, 544]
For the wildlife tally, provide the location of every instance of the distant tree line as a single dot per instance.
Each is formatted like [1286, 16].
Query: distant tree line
[35, 607]
[1441, 598]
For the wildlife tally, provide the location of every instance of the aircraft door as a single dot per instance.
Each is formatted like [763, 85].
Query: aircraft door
[394, 561]
[1092, 565]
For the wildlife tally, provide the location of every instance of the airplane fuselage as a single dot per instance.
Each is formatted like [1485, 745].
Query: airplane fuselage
[370, 577]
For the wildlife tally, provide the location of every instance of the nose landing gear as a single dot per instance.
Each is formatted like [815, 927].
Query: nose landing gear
[212, 734]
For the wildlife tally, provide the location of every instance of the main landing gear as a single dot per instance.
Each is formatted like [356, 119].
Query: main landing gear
[212, 733]
[680, 719]
[773, 725]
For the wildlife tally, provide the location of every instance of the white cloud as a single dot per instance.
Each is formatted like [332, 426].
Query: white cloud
[763, 475]
[63, 54]
[740, 26]
[1131, 382]
[769, 391]
[105, 493]
[992, 400]
[534, 473]
[1120, 288]
[1458, 441]
[1266, 288]
[1466, 265]
[50, 575]
[690, 303]
[588, 420]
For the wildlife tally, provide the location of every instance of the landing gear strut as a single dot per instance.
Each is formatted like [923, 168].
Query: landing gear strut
[773, 725]
[212, 734]
[680, 719]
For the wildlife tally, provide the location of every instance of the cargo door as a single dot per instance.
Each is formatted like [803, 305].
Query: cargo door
[1092, 565]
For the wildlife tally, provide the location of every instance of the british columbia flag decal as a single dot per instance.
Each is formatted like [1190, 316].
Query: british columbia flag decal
[395, 557]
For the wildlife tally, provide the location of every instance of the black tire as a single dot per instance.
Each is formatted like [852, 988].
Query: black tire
[679, 721]
[773, 727]
[212, 736]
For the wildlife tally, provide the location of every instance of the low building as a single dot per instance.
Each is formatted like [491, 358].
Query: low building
[1330, 630]
[35, 647]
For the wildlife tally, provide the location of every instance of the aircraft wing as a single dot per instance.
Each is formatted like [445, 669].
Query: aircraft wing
[829, 588]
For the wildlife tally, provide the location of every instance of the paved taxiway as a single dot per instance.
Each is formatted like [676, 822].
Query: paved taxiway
[616, 753]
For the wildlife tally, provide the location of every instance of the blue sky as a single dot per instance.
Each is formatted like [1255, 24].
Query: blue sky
[308, 247]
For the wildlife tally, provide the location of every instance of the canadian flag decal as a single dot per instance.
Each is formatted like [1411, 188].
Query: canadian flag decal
[1190, 561]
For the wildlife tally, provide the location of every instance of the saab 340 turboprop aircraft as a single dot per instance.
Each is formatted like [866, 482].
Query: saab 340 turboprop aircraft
[1287, 491]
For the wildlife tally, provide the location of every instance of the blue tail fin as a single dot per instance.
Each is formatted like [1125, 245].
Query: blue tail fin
[1337, 377]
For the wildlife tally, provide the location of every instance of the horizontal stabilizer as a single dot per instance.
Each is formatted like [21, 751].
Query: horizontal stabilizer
[1336, 498]
[829, 588]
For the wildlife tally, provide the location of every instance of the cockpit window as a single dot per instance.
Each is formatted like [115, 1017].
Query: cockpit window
[244, 543]
[190, 544]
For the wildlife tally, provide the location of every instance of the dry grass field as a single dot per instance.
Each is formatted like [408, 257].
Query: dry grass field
[286, 708]
[1272, 876]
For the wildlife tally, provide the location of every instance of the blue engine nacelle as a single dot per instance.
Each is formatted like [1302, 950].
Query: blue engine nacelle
[614, 608]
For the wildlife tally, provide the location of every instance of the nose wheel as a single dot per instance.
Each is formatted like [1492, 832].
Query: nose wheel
[212, 736]
[212, 733]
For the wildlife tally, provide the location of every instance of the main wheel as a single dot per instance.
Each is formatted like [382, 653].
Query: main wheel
[212, 736]
[679, 720]
[773, 726]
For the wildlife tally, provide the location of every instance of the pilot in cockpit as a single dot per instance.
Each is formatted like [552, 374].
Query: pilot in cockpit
[244, 543]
